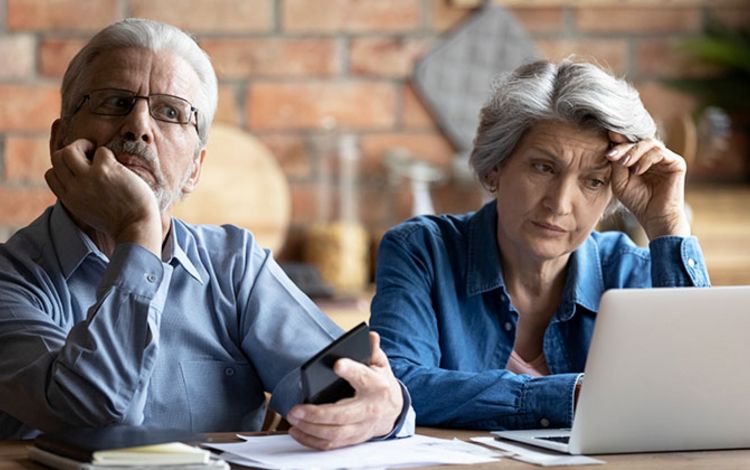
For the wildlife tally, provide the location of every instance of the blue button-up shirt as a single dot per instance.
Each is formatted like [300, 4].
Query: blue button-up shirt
[190, 341]
[448, 324]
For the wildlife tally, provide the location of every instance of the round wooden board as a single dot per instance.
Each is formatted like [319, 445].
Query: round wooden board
[242, 184]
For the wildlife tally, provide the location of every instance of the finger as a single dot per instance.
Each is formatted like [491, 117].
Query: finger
[378, 357]
[62, 170]
[647, 160]
[334, 432]
[314, 441]
[75, 155]
[357, 374]
[348, 410]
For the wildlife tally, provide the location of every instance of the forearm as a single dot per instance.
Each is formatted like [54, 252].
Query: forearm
[98, 373]
[492, 399]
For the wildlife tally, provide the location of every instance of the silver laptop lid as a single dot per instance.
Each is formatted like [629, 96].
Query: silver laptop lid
[667, 370]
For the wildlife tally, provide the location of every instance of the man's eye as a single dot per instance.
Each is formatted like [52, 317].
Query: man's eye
[542, 167]
[168, 112]
[116, 102]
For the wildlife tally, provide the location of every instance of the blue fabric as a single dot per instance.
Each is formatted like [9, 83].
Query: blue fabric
[191, 341]
[448, 327]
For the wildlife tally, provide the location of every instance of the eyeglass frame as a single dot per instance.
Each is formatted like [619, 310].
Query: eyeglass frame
[134, 98]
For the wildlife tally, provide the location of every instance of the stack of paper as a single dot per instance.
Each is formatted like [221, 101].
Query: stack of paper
[281, 451]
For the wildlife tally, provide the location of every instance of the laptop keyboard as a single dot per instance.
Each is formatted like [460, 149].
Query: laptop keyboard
[561, 439]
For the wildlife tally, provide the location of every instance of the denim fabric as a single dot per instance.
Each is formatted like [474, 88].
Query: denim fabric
[448, 326]
[190, 341]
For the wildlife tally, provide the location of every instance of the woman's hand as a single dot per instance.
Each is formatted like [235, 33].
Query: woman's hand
[649, 179]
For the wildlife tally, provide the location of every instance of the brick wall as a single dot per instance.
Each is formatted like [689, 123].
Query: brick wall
[285, 66]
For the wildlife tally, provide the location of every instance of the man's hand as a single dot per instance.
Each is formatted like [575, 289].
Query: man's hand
[372, 411]
[105, 195]
[649, 179]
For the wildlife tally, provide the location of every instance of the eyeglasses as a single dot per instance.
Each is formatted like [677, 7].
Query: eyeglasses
[116, 102]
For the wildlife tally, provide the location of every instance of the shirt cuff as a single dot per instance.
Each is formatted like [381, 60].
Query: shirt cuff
[406, 421]
[549, 401]
[669, 253]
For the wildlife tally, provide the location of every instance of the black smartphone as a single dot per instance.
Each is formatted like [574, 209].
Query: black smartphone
[320, 384]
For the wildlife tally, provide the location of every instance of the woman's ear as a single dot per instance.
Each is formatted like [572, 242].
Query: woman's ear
[490, 179]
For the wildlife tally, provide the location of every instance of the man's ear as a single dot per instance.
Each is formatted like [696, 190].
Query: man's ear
[57, 136]
[195, 174]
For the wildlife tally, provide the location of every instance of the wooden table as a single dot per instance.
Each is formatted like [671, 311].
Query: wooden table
[13, 457]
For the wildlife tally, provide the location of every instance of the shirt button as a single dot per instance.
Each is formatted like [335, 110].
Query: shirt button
[229, 371]
[508, 326]
[691, 262]
[544, 422]
[504, 298]
[151, 277]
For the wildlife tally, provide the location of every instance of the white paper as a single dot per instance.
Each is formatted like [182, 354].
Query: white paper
[536, 456]
[281, 451]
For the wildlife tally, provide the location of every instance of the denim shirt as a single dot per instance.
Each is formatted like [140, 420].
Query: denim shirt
[448, 325]
[189, 341]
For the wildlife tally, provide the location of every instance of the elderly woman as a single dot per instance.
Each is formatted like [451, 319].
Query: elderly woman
[487, 317]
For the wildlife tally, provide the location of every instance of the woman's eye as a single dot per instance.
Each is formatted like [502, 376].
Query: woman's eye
[596, 183]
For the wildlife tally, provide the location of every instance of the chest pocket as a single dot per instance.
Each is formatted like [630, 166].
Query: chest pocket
[223, 396]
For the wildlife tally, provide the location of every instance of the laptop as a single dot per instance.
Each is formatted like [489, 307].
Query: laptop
[668, 369]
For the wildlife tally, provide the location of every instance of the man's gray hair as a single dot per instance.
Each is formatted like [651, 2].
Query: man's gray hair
[577, 93]
[154, 36]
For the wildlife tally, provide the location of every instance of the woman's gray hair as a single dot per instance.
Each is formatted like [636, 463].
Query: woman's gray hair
[154, 36]
[573, 92]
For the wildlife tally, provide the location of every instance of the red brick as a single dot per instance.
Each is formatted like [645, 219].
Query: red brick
[540, 19]
[350, 15]
[208, 15]
[609, 53]
[734, 17]
[66, 15]
[664, 103]
[414, 114]
[271, 57]
[56, 53]
[19, 206]
[26, 159]
[17, 52]
[293, 152]
[353, 105]
[431, 147]
[635, 19]
[28, 107]
[445, 15]
[228, 110]
[385, 57]
[664, 58]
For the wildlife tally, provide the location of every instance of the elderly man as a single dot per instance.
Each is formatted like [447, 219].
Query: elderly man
[113, 312]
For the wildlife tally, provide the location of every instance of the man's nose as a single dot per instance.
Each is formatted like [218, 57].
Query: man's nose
[137, 124]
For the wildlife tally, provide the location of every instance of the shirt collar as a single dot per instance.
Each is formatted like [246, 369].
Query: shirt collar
[484, 271]
[174, 251]
[584, 285]
[71, 244]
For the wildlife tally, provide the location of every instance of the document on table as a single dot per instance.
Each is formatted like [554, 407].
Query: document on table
[281, 451]
[535, 455]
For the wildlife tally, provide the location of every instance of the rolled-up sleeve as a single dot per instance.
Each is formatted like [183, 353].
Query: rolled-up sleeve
[678, 262]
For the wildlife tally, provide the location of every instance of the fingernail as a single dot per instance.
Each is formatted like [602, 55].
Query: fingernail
[296, 414]
[292, 419]
[612, 152]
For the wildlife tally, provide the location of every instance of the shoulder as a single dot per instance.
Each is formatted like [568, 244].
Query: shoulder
[431, 228]
[218, 244]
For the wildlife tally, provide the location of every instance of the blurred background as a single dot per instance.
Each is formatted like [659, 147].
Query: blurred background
[338, 107]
